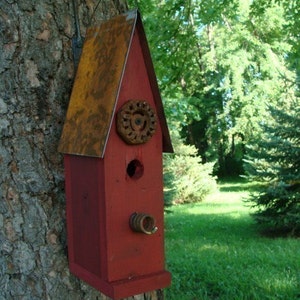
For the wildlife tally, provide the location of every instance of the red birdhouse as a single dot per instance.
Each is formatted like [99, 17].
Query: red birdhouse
[113, 138]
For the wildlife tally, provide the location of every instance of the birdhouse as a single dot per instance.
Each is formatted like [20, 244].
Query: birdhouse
[113, 138]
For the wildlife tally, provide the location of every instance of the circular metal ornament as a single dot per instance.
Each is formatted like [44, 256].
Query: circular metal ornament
[136, 122]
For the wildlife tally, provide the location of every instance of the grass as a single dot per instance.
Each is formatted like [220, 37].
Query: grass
[214, 251]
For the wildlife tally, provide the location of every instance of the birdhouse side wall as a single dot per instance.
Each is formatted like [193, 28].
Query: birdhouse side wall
[85, 215]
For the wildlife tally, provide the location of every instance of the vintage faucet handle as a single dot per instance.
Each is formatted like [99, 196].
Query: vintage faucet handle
[144, 223]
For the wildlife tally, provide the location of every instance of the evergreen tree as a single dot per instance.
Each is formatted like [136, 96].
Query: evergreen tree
[186, 179]
[275, 160]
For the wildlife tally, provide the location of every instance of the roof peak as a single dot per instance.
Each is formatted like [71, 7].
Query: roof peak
[97, 85]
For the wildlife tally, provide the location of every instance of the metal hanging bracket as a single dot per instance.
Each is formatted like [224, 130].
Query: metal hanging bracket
[77, 39]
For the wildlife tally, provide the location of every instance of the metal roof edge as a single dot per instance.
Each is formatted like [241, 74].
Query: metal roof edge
[135, 12]
[167, 144]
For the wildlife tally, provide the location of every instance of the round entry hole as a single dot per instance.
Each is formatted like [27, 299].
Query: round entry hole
[135, 169]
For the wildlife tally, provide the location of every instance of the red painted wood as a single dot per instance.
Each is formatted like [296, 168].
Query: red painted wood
[140, 254]
[101, 197]
[84, 211]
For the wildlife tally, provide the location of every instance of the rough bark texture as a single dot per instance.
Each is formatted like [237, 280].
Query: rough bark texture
[36, 76]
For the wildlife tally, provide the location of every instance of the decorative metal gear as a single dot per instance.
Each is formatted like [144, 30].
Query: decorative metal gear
[136, 122]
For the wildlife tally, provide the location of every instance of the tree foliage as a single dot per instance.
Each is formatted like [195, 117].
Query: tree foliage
[292, 16]
[186, 179]
[220, 64]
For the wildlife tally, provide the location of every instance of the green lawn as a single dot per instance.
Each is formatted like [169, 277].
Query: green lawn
[214, 251]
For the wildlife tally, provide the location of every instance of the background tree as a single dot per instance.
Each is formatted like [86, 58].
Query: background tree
[220, 65]
[275, 160]
[292, 17]
[186, 178]
[36, 76]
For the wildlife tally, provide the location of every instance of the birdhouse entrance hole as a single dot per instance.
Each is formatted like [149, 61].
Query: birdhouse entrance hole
[135, 169]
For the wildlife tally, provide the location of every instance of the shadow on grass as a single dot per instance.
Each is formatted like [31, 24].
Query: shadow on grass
[240, 186]
[281, 232]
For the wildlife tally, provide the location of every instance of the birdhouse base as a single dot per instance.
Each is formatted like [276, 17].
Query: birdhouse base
[124, 288]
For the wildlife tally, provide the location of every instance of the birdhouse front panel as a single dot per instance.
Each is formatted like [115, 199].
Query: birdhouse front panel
[114, 187]
[134, 178]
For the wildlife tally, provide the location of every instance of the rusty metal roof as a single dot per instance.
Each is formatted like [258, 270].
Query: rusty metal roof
[97, 84]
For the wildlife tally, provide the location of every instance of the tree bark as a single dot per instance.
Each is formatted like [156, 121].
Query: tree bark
[36, 77]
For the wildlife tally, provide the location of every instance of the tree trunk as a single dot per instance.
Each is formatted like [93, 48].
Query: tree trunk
[36, 76]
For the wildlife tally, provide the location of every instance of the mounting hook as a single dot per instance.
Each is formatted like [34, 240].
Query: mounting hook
[77, 39]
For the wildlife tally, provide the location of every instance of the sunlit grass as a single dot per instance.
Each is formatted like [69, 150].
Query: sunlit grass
[214, 251]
